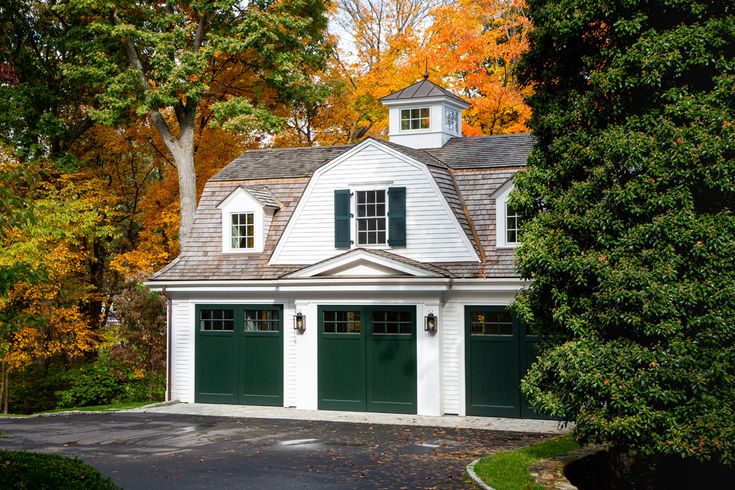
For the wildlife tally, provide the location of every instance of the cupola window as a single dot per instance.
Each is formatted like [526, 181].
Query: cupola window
[452, 120]
[412, 119]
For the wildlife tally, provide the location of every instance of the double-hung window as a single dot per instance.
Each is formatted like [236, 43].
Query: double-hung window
[243, 230]
[412, 119]
[512, 222]
[371, 217]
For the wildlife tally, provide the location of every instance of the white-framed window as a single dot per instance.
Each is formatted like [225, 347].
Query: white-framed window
[507, 221]
[452, 120]
[371, 217]
[415, 119]
[243, 230]
[512, 221]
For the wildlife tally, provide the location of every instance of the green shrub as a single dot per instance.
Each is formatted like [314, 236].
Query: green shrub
[20, 469]
[34, 388]
[108, 381]
[96, 383]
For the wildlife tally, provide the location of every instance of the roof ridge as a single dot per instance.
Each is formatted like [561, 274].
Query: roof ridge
[249, 150]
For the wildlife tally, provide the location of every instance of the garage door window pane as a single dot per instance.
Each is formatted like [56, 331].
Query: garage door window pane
[392, 323]
[342, 322]
[492, 323]
[262, 320]
[217, 320]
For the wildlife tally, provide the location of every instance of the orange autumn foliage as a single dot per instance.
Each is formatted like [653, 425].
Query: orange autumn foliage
[470, 47]
[43, 309]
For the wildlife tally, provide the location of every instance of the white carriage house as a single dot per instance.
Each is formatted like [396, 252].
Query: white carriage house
[370, 277]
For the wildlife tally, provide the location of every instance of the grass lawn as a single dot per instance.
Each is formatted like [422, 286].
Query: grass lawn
[102, 408]
[95, 408]
[509, 470]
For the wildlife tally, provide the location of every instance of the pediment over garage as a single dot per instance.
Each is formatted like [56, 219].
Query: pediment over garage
[363, 263]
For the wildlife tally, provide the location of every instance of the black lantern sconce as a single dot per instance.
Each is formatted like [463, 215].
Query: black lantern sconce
[299, 322]
[430, 322]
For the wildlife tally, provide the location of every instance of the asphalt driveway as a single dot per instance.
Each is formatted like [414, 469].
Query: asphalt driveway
[148, 450]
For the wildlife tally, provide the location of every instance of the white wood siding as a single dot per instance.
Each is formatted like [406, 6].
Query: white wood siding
[182, 375]
[290, 361]
[432, 231]
[451, 346]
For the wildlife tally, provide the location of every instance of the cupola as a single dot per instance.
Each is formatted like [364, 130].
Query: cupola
[424, 115]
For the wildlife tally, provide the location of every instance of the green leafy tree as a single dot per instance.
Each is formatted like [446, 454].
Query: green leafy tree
[41, 108]
[630, 232]
[163, 60]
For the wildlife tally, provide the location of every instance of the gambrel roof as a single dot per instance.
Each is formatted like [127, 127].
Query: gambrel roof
[466, 170]
[505, 150]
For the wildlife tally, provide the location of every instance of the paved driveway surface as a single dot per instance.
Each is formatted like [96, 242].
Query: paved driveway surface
[157, 451]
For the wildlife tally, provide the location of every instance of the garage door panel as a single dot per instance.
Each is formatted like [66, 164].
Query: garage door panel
[260, 370]
[367, 358]
[493, 362]
[216, 381]
[342, 373]
[391, 371]
[239, 354]
[494, 381]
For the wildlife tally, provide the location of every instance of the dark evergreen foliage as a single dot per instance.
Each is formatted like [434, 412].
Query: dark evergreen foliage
[21, 469]
[630, 232]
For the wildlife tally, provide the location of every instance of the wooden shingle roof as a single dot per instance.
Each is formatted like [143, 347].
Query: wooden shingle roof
[485, 151]
[466, 170]
[279, 163]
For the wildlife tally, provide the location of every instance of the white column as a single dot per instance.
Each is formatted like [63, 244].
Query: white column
[306, 359]
[428, 369]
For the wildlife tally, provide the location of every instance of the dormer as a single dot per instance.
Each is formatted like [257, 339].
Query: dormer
[247, 213]
[424, 115]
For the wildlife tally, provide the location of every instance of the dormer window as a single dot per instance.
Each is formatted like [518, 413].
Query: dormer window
[415, 119]
[452, 120]
[246, 216]
[243, 230]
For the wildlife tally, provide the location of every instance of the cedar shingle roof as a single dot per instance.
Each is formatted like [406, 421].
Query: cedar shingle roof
[279, 163]
[485, 151]
[422, 90]
[466, 176]
[263, 195]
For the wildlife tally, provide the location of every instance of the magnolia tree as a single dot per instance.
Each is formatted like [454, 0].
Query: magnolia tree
[630, 232]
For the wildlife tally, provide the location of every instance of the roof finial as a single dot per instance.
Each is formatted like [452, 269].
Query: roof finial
[426, 69]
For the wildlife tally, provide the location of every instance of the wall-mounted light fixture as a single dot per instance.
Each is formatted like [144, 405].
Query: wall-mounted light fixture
[430, 322]
[299, 322]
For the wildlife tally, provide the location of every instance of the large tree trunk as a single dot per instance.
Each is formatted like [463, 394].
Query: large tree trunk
[182, 150]
[181, 147]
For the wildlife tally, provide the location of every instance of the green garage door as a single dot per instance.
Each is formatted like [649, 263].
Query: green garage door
[498, 353]
[239, 354]
[367, 358]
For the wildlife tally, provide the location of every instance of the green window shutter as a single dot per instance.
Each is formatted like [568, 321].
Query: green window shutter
[397, 216]
[342, 218]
